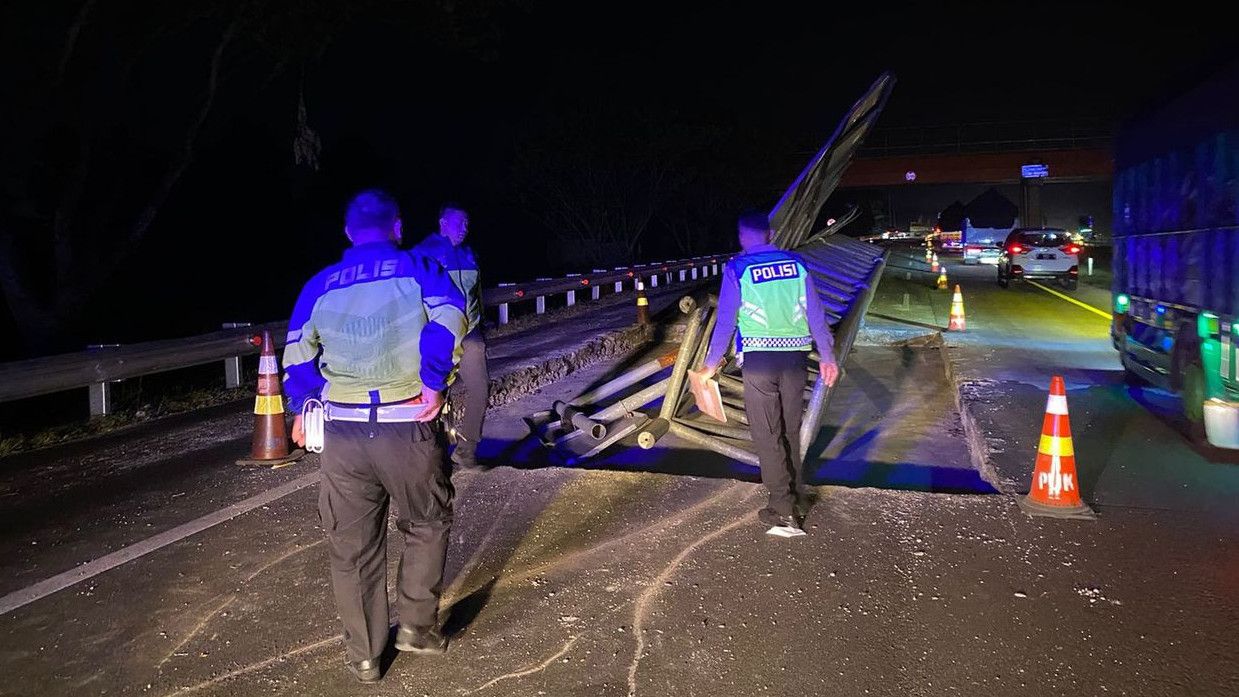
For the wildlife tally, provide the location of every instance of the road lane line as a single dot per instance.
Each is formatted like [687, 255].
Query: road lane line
[59, 582]
[1072, 300]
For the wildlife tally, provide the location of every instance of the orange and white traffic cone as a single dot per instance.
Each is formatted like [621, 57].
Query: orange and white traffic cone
[270, 443]
[933, 263]
[957, 310]
[1055, 489]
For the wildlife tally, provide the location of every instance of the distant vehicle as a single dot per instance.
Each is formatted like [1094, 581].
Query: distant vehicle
[982, 254]
[1176, 254]
[948, 241]
[1046, 253]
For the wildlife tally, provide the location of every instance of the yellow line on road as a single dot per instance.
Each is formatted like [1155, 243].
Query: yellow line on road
[1072, 300]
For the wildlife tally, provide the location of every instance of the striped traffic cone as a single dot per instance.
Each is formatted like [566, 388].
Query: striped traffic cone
[1055, 489]
[933, 263]
[643, 305]
[957, 308]
[270, 443]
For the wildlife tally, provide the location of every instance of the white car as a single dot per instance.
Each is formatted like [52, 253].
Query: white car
[1045, 253]
[981, 254]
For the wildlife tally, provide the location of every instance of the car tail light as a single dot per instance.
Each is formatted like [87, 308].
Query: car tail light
[1072, 249]
[1074, 271]
[1016, 249]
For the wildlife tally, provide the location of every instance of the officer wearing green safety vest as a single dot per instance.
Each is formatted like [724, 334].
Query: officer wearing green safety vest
[768, 302]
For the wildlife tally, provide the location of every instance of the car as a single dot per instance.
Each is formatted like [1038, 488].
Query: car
[1044, 253]
[981, 254]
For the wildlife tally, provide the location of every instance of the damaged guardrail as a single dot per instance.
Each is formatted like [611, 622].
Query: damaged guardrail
[99, 368]
[591, 425]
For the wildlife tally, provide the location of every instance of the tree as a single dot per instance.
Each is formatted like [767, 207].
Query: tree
[113, 102]
[103, 129]
[595, 177]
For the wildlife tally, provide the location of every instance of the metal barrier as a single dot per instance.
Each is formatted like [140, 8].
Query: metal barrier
[101, 366]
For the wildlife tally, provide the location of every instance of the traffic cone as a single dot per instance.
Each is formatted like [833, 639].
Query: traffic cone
[1055, 489]
[942, 279]
[270, 443]
[957, 308]
[643, 305]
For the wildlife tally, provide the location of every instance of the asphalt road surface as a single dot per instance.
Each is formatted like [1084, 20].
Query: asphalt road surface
[646, 572]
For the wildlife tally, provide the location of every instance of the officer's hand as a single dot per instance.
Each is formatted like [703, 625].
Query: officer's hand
[434, 404]
[829, 371]
[298, 431]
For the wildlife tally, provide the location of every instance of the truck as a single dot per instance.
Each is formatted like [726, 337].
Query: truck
[1175, 291]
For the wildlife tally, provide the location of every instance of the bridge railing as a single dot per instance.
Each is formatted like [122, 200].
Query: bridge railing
[997, 136]
[100, 367]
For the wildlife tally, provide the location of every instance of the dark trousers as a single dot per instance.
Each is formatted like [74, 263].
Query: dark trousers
[774, 383]
[476, 379]
[364, 467]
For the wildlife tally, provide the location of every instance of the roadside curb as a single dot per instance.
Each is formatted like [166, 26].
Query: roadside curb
[978, 444]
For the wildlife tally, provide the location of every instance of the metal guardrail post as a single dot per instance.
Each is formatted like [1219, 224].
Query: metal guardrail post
[619, 286]
[540, 304]
[101, 397]
[503, 313]
[694, 273]
[232, 364]
[683, 273]
[654, 280]
[571, 298]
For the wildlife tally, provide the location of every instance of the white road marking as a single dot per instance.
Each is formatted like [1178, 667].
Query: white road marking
[76, 575]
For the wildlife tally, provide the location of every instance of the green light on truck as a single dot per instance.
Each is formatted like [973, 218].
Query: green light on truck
[1207, 325]
[1121, 303]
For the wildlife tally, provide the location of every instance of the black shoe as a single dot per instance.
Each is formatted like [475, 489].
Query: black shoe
[772, 518]
[423, 640]
[366, 671]
[465, 456]
[804, 503]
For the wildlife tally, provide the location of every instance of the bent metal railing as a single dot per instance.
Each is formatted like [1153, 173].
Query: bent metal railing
[843, 272]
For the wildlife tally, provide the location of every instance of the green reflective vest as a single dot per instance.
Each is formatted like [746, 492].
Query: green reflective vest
[773, 306]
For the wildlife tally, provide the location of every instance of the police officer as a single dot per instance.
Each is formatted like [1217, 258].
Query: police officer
[768, 297]
[373, 337]
[449, 248]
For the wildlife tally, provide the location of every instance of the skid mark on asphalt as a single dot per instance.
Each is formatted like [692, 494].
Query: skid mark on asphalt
[253, 667]
[647, 597]
[202, 623]
[528, 671]
[231, 597]
[658, 525]
[284, 557]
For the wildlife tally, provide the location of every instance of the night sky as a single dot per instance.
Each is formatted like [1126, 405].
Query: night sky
[472, 102]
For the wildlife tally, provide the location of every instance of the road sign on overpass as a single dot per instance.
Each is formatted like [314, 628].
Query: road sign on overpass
[1065, 165]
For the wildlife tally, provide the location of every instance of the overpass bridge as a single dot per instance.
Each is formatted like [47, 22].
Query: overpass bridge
[993, 153]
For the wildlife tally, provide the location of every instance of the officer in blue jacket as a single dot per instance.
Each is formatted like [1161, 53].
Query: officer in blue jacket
[449, 248]
[768, 300]
[373, 337]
